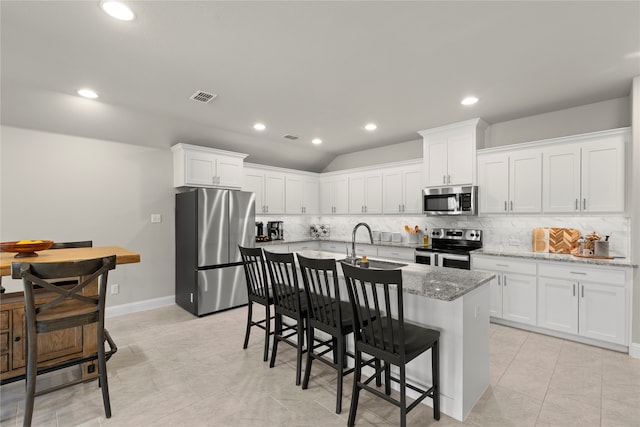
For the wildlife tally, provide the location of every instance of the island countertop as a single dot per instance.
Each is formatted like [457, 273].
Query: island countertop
[446, 284]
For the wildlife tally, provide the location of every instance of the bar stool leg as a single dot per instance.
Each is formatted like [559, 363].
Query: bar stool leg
[248, 331]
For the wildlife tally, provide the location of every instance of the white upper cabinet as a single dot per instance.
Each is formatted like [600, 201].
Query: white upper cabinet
[269, 189]
[301, 194]
[585, 175]
[510, 182]
[365, 192]
[196, 166]
[450, 153]
[334, 194]
[402, 189]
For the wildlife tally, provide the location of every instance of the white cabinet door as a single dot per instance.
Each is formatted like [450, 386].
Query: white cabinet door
[493, 183]
[495, 293]
[254, 182]
[435, 153]
[229, 172]
[341, 195]
[356, 194]
[603, 176]
[412, 190]
[392, 190]
[460, 157]
[310, 196]
[327, 196]
[294, 189]
[525, 182]
[603, 312]
[274, 198]
[558, 304]
[561, 179]
[373, 190]
[519, 294]
[200, 168]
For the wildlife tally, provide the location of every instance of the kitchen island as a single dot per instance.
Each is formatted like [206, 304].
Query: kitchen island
[455, 302]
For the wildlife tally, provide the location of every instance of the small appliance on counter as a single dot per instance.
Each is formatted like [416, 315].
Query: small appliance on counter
[275, 230]
[260, 237]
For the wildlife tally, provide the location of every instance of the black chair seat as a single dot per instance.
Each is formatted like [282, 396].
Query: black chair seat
[417, 339]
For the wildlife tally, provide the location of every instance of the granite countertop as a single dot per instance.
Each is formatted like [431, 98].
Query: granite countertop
[446, 284]
[544, 256]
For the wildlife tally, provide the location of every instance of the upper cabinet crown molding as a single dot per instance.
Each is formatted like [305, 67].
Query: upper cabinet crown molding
[450, 153]
[196, 166]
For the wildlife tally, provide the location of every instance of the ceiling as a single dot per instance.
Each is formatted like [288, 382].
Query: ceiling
[311, 69]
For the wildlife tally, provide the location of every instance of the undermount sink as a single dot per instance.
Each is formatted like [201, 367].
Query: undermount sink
[376, 263]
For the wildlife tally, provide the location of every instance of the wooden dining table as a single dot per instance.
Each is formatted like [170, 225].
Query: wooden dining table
[123, 256]
[56, 346]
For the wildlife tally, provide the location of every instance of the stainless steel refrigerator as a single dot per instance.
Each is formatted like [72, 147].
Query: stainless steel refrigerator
[210, 224]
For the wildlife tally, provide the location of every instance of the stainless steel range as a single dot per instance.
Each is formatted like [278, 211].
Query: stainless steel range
[450, 247]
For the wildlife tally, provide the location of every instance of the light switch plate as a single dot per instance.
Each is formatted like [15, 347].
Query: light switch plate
[156, 218]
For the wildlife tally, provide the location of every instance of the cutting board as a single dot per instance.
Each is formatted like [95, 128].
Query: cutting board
[555, 240]
[563, 240]
[540, 242]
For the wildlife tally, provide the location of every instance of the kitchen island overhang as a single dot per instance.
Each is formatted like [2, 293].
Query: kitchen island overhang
[455, 302]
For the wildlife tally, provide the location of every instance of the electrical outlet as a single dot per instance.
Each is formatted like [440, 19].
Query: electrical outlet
[115, 289]
[156, 218]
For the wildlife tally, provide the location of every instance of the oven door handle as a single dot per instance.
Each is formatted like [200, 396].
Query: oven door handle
[454, 257]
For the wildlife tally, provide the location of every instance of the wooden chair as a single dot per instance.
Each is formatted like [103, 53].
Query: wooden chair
[258, 292]
[289, 302]
[387, 337]
[70, 308]
[328, 314]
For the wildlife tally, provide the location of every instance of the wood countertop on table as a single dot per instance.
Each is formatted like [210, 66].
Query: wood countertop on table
[123, 256]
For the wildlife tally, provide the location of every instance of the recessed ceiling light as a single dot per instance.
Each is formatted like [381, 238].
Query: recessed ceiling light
[469, 100]
[316, 141]
[88, 93]
[117, 10]
[371, 126]
[259, 126]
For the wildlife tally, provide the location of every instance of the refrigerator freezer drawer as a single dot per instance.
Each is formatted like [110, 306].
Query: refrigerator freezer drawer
[221, 288]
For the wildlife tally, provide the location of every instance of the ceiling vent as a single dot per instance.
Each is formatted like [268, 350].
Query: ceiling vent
[202, 96]
[291, 137]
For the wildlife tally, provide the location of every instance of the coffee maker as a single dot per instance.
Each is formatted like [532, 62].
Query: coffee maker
[260, 237]
[275, 230]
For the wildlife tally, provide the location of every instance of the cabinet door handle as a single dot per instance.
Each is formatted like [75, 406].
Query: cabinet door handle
[584, 204]
[577, 204]
[505, 281]
[16, 339]
[511, 206]
[498, 280]
[444, 179]
[365, 208]
[403, 207]
[582, 291]
[399, 208]
[582, 273]
[505, 205]
[267, 208]
[448, 179]
[502, 265]
[574, 289]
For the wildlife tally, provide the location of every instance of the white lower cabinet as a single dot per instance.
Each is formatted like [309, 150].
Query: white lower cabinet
[399, 253]
[514, 289]
[590, 302]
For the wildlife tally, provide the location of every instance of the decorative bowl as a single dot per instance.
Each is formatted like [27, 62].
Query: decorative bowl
[26, 248]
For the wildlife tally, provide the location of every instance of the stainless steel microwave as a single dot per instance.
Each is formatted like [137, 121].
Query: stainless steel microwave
[450, 200]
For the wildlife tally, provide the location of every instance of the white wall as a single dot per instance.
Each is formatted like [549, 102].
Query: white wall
[67, 188]
[391, 153]
[611, 114]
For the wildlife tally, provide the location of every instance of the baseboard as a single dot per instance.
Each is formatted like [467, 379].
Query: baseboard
[134, 307]
[634, 350]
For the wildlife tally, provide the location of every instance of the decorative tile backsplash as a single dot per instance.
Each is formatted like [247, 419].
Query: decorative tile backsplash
[501, 233]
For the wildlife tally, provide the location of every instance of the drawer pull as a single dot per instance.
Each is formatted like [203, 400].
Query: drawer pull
[16, 339]
[502, 265]
[582, 273]
[574, 289]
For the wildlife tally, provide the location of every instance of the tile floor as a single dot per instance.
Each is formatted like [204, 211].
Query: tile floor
[173, 369]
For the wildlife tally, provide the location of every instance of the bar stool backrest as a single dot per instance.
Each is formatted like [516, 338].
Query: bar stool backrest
[376, 301]
[255, 273]
[284, 281]
[320, 279]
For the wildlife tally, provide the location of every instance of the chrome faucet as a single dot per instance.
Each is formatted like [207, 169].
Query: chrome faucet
[353, 239]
